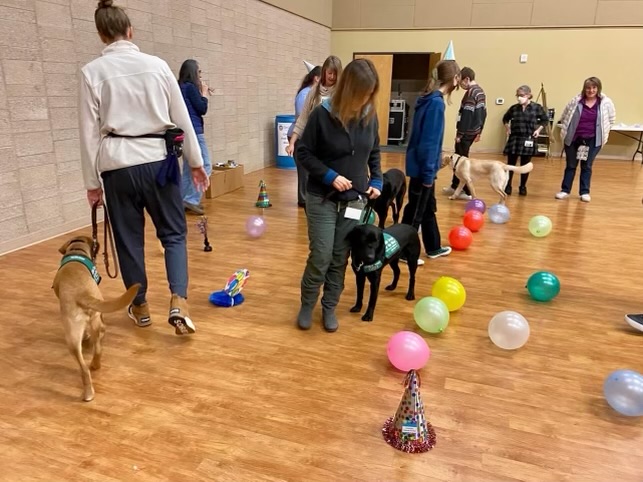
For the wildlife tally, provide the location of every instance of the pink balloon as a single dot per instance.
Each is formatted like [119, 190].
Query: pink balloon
[255, 226]
[408, 351]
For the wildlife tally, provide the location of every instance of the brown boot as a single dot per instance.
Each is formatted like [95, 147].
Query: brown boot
[140, 314]
[180, 316]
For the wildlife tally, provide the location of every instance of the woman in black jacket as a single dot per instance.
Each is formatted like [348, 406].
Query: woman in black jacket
[339, 149]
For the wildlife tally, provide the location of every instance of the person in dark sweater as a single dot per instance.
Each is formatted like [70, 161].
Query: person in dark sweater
[524, 122]
[471, 119]
[194, 92]
[340, 150]
[423, 156]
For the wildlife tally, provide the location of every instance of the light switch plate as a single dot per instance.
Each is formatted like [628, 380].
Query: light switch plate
[500, 101]
[523, 58]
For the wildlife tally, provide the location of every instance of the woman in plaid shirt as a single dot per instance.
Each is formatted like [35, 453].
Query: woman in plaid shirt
[524, 121]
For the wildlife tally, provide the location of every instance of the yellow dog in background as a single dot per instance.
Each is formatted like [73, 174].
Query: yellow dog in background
[467, 170]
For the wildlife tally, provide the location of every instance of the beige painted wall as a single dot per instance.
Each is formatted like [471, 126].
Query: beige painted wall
[249, 51]
[320, 11]
[559, 58]
[484, 13]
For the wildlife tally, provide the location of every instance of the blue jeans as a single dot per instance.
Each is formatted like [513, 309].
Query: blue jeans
[585, 166]
[189, 192]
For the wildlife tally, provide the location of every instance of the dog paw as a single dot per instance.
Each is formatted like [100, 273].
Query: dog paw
[95, 365]
[410, 297]
[452, 198]
[88, 396]
[356, 309]
[390, 287]
[367, 317]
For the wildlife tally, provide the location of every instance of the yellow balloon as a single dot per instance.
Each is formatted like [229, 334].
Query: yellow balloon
[451, 291]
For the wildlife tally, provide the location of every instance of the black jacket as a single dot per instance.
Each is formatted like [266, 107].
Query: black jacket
[326, 149]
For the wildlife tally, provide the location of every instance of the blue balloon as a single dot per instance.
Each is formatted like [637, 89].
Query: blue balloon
[623, 390]
[499, 214]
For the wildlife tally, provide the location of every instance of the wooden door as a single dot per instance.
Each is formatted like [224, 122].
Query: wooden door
[384, 65]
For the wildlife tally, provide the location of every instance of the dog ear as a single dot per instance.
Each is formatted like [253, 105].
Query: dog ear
[63, 248]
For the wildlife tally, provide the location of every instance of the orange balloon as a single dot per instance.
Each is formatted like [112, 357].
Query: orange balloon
[460, 238]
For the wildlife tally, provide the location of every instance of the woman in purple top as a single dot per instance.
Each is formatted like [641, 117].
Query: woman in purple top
[585, 125]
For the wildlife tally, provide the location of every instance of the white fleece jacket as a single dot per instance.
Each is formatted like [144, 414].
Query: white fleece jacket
[129, 93]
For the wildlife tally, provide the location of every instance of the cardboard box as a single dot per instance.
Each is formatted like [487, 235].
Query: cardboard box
[223, 181]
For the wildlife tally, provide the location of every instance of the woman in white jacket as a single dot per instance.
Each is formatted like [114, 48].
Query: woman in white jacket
[129, 101]
[585, 125]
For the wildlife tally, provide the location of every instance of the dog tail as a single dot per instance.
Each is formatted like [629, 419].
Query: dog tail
[522, 169]
[109, 306]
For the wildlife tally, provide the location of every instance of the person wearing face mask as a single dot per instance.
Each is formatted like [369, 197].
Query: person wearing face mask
[585, 127]
[471, 118]
[524, 122]
[423, 156]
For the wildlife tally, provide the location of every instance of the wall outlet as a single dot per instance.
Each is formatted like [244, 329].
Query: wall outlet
[500, 101]
[523, 58]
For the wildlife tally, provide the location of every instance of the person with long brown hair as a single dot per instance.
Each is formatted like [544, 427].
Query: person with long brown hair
[423, 156]
[131, 114]
[330, 73]
[340, 149]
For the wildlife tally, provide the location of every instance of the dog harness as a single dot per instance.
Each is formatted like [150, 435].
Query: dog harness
[391, 247]
[84, 260]
[455, 166]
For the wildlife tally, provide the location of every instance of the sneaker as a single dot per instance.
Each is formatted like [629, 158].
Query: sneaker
[448, 191]
[463, 196]
[405, 261]
[585, 198]
[635, 321]
[179, 316]
[562, 195]
[140, 314]
[193, 208]
[443, 251]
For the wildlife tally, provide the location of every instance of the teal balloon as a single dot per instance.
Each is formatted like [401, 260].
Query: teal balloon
[543, 286]
[431, 314]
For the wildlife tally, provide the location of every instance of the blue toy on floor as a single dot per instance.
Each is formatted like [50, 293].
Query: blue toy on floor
[231, 294]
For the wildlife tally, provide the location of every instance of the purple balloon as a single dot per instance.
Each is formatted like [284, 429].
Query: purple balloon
[255, 226]
[407, 351]
[476, 205]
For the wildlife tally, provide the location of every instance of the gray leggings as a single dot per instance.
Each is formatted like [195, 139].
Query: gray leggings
[131, 191]
[329, 248]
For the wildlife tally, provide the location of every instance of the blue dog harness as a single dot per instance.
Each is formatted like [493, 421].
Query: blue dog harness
[84, 260]
[391, 248]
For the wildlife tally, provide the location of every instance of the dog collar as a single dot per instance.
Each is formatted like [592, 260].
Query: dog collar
[70, 258]
[391, 247]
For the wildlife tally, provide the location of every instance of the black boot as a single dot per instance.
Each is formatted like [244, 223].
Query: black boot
[522, 190]
[508, 189]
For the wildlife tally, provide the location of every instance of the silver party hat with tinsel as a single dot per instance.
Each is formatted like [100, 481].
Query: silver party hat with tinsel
[410, 431]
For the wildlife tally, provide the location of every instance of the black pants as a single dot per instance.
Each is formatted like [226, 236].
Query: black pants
[512, 160]
[131, 191]
[462, 149]
[422, 201]
[302, 179]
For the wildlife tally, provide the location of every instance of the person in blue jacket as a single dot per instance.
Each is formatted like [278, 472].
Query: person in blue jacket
[194, 92]
[308, 82]
[423, 156]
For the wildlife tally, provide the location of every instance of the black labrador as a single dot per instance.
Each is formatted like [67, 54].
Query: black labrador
[393, 192]
[373, 248]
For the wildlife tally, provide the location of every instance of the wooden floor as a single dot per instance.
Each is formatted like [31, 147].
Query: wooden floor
[251, 398]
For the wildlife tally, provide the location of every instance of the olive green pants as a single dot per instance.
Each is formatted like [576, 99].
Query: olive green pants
[328, 230]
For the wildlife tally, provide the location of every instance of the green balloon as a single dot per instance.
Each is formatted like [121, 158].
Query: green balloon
[543, 286]
[540, 226]
[431, 314]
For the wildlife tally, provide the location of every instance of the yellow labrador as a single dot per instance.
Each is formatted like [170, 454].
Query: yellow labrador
[469, 169]
[82, 305]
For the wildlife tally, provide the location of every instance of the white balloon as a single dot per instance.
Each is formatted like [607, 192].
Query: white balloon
[509, 330]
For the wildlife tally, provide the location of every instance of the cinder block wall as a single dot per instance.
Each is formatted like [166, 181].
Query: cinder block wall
[250, 52]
